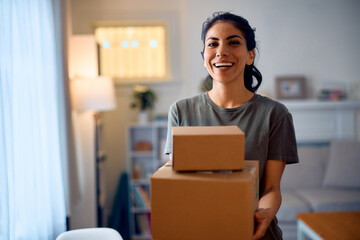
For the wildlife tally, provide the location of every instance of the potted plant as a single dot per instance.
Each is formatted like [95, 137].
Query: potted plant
[144, 100]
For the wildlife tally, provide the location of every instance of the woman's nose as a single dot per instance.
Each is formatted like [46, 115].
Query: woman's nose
[221, 51]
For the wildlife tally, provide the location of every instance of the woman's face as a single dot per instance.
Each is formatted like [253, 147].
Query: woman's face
[225, 53]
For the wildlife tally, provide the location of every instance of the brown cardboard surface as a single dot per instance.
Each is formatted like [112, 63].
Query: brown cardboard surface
[208, 148]
[204, 205]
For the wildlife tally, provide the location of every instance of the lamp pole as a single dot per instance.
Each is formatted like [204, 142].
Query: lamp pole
[96, 94]
[99, 171]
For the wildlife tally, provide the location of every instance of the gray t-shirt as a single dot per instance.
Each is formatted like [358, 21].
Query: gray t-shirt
[267, 124]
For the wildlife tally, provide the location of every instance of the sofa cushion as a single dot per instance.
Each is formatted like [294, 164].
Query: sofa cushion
[310, 170]
[344, 165]
[325, 200]
[291, 205]
[289, 230]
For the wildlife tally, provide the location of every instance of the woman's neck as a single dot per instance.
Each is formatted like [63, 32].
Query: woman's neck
[229, 96]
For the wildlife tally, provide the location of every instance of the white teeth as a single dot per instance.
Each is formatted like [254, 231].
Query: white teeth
[223, 64]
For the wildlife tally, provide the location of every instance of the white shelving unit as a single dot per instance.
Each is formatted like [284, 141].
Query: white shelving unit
[321, 121]
[145, 147]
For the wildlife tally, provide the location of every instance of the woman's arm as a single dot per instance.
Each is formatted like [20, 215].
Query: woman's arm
[270, 200]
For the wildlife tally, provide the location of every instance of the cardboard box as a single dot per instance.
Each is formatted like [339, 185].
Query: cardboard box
[208, 148]
[204, 205]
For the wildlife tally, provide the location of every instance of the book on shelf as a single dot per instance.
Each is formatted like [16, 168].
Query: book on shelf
[148, 221]
[138, 199]
[144, 196]
[142, 224]
[140, 196]
[132, 199]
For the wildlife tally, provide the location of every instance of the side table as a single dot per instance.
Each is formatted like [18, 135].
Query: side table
[329, 225]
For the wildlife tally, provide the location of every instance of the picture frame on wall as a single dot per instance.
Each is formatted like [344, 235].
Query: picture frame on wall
[290, 87]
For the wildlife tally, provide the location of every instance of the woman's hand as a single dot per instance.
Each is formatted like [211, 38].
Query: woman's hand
[270, 200]
[263, 218]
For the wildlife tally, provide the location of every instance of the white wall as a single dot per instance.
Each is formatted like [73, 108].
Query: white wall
[317, 39]
[83, 62]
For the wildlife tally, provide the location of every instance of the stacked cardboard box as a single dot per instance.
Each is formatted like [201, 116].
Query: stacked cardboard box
[208, 148]
[205, 204]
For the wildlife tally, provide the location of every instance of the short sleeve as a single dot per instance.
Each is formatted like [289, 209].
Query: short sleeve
[282, 141]
[172, 121]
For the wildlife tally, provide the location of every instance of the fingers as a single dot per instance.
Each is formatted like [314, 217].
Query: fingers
[262, 222]
[260, 231]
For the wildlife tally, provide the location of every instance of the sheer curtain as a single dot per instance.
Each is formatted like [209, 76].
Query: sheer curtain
[32, 202]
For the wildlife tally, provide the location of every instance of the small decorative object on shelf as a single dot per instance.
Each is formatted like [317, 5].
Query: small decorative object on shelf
[136, 173]
[161, 117]
[290, 87]
[144, 100]
[142, 146]
[333, 91]
[143, 117]
[332, 94]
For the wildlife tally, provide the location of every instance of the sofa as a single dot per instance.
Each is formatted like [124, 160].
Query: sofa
[327, 178]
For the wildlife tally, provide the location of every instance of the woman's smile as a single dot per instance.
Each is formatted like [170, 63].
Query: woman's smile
[223, 66]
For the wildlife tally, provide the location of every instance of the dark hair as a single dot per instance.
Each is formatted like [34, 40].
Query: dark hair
[243, 25]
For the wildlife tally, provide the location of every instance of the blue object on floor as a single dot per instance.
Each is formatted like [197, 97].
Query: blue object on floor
[120, 214]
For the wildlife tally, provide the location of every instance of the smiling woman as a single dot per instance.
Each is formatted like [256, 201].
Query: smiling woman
[229, 53]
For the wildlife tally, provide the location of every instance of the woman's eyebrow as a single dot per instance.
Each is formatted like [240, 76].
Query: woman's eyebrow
[233, 36]
[229, 37]
[212, 38]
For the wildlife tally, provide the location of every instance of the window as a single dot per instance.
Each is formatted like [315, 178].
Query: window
[135, 52]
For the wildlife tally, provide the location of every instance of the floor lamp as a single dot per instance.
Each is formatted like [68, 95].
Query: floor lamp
[96, 94]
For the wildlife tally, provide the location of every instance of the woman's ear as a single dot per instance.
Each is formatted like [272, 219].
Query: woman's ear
[251, 58]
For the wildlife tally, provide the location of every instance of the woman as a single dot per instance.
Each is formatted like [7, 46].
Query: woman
[229, 44]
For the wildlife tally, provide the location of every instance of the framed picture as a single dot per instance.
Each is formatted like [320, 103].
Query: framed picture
[290, 87]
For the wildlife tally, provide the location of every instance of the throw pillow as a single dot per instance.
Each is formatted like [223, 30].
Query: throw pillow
[310, 171]
[343, 169]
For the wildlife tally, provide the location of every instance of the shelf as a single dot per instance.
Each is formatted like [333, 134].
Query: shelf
[140, 210]
[141, 237]
[141, 154]
[314, 104]
[143, 181]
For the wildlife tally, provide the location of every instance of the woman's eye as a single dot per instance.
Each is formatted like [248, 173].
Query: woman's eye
[213, 44]
[234, 43]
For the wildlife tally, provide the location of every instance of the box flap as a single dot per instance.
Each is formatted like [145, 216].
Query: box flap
[206, 130]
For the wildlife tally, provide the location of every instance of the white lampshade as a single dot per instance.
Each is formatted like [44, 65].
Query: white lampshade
[93, 94]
